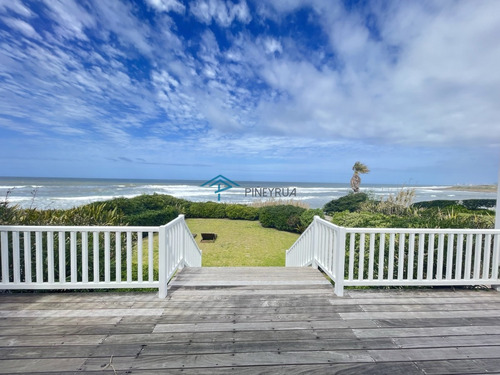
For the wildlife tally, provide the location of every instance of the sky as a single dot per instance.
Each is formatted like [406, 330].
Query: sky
[286, 90]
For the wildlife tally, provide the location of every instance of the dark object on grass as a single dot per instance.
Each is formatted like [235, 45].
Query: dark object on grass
[194, 235]
[208, 237]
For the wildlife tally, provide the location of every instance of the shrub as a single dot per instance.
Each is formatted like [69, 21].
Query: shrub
[281, 217]
[438, 203]
[307, 217]
[146, 202]
[154, 218]
[7, 213]
[477, 204]
[431, 218]
[398, 204]
[96, 214]
[242, 212]
[279, 202]
[210, 210]
[351, 202]
[363, 220]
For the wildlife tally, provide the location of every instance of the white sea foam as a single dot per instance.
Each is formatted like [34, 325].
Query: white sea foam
[63, 193]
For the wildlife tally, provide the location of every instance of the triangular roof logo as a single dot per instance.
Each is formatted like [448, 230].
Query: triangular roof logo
[222, 183]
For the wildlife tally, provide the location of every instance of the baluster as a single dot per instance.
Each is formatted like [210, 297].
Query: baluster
[27, 257]
[150, 256]
[4, 244]
[129, 257]
[74, 267]
[107, 256]
[352, 241]
[430, 257]
[468, 257]
[449, 256]
[85, 257]
[17, 257]
[458, 263]
[361, 265]
[401, 256]
[381, 256]
[477, 256]
[392, 239]
[421, 256]
[139, 256]
[496, 257]
[62, 256]
[439, 270]
[371, 256]
[50, 257]
[39, 257]
[487, 256]
[118, 256]
[96, 256]
[411, 256]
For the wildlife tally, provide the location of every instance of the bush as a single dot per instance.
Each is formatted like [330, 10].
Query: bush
[96, 214]
[209, 210]
[363, 220]
[351, 202]
[7, 213]
[146, 202]
[154, 218]
[478, 204]
[439, 203]
[281, 217]
[242, 212]
[431, 218]
[307, 217]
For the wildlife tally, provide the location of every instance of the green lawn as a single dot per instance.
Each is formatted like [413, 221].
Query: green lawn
[241, 243]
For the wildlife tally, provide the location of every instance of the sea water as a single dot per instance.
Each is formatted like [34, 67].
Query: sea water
[56, 193]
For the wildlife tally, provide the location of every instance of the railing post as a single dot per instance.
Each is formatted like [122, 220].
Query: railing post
[183, 242]
[497, 211]
[315, 241]
[162, 267]
[340, 263]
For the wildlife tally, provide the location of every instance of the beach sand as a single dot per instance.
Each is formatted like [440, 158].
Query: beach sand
[478, 188]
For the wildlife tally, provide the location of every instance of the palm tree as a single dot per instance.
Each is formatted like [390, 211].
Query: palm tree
[356, 180]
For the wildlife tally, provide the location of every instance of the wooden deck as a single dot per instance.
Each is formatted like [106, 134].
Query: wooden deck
[252, 320]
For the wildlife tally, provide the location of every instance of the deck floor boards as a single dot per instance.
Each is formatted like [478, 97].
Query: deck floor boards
[252, 321]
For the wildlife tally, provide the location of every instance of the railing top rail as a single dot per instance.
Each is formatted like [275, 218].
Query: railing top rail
[408, 230]
[423, 230]
[175, 221]
[327, 223]
[69, 228]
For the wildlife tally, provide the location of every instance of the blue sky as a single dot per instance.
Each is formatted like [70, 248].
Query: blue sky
[257, 90]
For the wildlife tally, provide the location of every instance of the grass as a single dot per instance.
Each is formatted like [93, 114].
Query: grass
[241, 243]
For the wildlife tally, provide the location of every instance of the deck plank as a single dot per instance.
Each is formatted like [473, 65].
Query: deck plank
[252, 320]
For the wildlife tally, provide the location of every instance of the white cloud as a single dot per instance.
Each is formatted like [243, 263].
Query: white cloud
[15, 6]
[21, 26]
[71, 18]
[272, 45]
[411, 75]
[167, 5]
[220, 11]
[429, 80]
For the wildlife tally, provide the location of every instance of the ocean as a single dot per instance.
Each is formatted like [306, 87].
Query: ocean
[63, 193]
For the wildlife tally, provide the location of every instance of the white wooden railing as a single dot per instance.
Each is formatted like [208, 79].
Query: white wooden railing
[178, 248]
[399, 257]
[95, 257]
